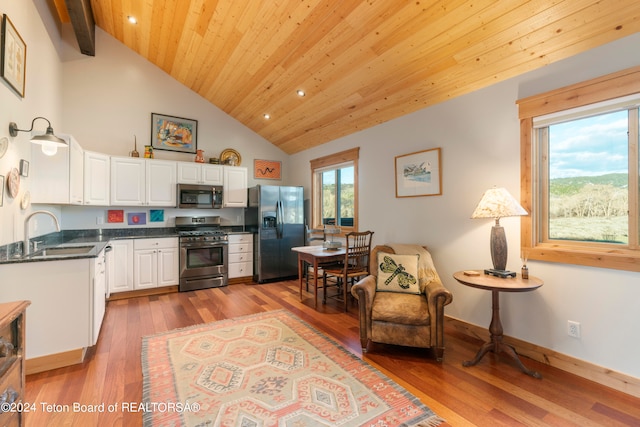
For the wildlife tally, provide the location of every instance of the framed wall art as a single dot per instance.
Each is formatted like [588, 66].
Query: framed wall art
[13, 57]
[419, 174]
[267, 169]
[174, 133]
[24, 168]
[1, 189]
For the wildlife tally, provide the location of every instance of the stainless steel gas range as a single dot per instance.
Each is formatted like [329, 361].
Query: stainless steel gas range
[204, 253]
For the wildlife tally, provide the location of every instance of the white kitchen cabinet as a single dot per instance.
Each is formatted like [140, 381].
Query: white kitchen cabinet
[240, 255]
[128, 181]
[235, 187]
[59, 318]
[142, 182]
[120, 266]
[57, 179]
[199, 173]
[99, 283]
[155, 262]
[161, 183]
[96, 179]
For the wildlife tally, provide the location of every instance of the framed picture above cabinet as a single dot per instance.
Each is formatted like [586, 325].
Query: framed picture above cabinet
[174, 133]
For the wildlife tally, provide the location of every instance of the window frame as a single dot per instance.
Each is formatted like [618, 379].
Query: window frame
[612, 86]
[322, 163]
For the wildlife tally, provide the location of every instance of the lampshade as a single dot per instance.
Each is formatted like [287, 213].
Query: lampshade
[49, 141]
[498, 203]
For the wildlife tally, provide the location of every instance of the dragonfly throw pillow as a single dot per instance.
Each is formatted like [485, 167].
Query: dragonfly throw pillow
[398, 273]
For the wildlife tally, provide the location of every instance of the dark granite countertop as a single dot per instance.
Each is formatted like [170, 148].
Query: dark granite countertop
[12, 253]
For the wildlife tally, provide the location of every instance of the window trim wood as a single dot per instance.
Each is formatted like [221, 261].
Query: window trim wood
[346, 156]
[611, 86]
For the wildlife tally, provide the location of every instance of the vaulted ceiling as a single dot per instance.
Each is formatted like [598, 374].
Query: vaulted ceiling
[360, 62]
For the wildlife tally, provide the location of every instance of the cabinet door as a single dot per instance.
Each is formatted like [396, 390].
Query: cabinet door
[145, 269]
[212, 175]
[120, 266]
[127, 181]
[96, 179]
[168, 274]
[235, 187]
[99, 296]
[161, 183]
[189, 173]
[49, 175]
[76, 172]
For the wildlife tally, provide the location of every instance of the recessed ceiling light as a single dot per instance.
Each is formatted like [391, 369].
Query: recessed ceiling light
[132, 19]
[300, 92]
[266, 116]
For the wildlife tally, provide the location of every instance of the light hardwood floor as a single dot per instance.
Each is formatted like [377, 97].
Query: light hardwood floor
[493, 393]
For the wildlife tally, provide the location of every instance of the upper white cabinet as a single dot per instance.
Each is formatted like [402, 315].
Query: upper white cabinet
[96, 179]
[138, 182]
[235, 187]
[127, 181]
[58, 179]
[161, 183]
[199, 173]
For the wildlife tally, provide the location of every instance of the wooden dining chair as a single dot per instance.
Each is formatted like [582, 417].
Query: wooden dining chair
[312, 235]
[354, 266]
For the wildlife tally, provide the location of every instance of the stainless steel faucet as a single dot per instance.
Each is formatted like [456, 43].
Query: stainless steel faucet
[25, 242]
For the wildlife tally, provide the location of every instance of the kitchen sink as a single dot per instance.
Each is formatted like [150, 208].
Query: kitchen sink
[62, 251]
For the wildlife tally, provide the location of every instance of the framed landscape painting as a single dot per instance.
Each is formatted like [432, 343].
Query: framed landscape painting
[419, 174]
[174, 133]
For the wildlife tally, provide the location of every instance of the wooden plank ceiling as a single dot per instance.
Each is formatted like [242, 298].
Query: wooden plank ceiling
[360, 62]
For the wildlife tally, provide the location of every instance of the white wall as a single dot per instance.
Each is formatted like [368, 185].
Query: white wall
[42, 98]
[480, 140]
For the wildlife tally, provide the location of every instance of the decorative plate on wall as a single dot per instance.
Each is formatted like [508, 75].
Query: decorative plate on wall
[4, 144]
[13, 182]
[230, 157]
[26, 200]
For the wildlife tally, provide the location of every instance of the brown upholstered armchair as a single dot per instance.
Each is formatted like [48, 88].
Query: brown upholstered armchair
[413, 320]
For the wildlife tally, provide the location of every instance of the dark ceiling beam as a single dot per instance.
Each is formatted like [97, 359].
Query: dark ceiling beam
[83, 25]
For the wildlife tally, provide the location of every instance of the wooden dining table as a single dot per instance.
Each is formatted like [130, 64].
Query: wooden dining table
[316, 255]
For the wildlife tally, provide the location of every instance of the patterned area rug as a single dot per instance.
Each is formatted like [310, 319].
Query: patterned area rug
[268, 369]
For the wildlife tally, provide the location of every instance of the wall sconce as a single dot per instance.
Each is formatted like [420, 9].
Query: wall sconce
[48, 141]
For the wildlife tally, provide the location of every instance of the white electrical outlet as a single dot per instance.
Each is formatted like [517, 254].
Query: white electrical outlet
[573, 329]
[99, 220]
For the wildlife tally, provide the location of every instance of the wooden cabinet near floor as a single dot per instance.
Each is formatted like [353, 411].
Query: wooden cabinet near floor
[12, 371]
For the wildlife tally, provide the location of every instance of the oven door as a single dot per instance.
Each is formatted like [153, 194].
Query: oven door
[203, 259]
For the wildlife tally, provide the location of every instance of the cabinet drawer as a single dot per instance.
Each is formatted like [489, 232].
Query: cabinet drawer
[240, 269]
[11, 389]
[240, 238]
[240, 257]
[168, 242]
[240, 248]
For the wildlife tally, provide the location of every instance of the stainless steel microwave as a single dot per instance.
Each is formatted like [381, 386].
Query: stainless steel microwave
[192, 196]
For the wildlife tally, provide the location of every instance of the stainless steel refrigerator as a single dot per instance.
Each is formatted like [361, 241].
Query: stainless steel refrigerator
[276, 215]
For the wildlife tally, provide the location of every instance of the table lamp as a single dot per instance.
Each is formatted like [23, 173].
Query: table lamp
[497, 203]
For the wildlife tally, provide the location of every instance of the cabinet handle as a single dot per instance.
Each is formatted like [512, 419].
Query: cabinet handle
[6, 347]
[8, 396]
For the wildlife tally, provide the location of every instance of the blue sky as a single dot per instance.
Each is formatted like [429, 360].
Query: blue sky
[589, 147]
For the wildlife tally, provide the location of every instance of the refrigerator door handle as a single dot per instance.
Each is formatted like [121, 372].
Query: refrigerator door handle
[279, 217]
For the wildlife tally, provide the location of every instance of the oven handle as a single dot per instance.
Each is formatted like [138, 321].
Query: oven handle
[203, 245]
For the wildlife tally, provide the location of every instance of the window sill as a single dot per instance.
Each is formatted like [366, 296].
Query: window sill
[614, 258]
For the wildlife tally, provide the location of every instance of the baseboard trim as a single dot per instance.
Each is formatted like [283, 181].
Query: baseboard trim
[54, 361]
[143, 292]
[601, 375]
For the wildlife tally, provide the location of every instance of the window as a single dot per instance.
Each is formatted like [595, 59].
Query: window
[580, 164]
[334, 190]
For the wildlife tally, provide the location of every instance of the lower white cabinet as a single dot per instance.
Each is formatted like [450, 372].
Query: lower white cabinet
[120, 266]
[99, 295]
[240, 255]
[155, 262]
